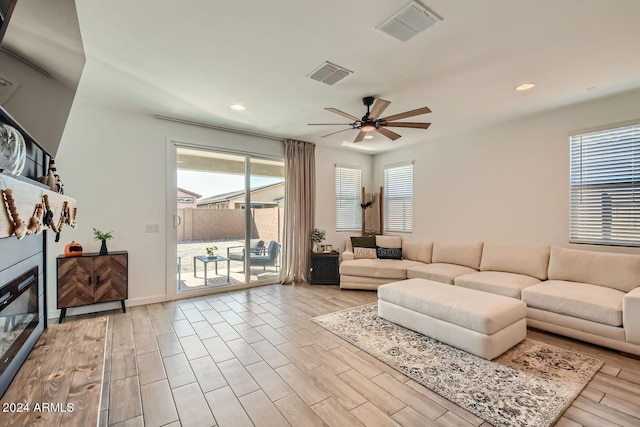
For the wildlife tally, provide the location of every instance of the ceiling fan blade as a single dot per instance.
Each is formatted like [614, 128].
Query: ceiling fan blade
[415, 125]
[417, 112]
[333, 133]
[360, 136]
[389, 134]
[342, 113]
[328, 124]
[378, 107]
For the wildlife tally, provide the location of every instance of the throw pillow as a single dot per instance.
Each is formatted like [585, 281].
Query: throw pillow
[364, 242]
[389, 241]
[364, 253]
[389, 253]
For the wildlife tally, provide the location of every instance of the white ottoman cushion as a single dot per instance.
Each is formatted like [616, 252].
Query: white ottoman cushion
[478, 322]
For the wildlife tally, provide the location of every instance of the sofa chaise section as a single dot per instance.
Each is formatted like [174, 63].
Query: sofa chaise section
[591, 296]
[361, 271]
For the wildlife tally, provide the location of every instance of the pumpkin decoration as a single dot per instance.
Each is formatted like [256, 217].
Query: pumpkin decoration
[73, 249]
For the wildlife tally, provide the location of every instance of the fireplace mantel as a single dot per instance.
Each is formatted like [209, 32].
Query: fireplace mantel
[27, 196]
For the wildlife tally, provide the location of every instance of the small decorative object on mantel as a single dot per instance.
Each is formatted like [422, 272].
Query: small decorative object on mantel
[13, 151]
[52, 179]
[211, 251]
[19, 228]
[73, 249]
[99, 235]
[317, 236]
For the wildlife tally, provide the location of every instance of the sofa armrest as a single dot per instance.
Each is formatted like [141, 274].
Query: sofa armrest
[631, 316]
[347, 256]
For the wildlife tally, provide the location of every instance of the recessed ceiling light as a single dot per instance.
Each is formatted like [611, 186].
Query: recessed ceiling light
[368, 137]
[238, 107]
[525, 86]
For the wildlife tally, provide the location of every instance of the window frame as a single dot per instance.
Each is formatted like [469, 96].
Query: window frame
[604, 186]
[347, 203]
[392, 197]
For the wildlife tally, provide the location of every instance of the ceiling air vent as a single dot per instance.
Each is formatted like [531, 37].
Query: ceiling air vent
[408, 22]
[329, 73]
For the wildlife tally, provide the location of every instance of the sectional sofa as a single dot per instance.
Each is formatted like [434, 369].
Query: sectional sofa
[587, 295]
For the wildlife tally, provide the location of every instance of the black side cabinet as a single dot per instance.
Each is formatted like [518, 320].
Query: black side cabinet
[325, 268]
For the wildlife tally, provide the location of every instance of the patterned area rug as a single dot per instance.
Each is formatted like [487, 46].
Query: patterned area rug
[530, 385]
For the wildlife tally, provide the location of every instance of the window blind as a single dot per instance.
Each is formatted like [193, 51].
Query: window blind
[398, 198]
[605, 187]
[348, 195]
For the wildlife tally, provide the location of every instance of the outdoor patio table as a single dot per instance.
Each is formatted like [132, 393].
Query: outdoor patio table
[205, 260]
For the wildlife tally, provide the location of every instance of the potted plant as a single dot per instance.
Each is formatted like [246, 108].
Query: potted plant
[101, 235]
[210, 251]
[317, 236]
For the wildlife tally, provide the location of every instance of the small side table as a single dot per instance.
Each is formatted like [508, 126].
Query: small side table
[205, 260]
[325, 268]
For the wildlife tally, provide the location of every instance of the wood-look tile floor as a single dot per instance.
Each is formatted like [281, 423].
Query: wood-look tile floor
[252, 357]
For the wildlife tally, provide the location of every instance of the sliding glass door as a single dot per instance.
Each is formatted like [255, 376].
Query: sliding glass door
[228, 218]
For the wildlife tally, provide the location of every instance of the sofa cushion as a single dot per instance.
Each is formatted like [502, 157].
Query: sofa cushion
[582, 300]
[380, 268]
[363, 242]
[496, 282]
[531, 260]
[389, 241]
[440, 272]
[617, 271]
[389, 253]
[367, 253]
[467, 254]
[417, 251]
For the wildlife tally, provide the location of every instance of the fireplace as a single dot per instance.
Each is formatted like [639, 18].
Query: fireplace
[22, 302]
[18, 315]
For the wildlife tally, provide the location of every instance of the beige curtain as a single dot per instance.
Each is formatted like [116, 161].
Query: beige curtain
[299, 208]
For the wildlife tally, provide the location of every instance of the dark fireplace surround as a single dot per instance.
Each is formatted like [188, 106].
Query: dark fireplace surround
[22, 292]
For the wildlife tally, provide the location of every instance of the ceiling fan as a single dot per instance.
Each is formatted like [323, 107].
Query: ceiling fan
[370, 121]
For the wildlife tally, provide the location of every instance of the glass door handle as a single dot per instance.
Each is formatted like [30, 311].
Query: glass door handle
[177, 221]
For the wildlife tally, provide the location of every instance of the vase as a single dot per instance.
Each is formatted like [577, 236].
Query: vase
[103, 248]
[13, 152]
[315, 247]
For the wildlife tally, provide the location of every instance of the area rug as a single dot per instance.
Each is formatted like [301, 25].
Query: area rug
[530, 385]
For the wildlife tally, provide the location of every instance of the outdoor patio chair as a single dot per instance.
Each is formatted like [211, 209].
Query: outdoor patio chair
[236, 253]
[268, 259]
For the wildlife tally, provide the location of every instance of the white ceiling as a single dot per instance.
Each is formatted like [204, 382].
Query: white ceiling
[194, 58]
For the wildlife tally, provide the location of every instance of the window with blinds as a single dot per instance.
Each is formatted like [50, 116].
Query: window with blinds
[398, 198]
[348, 194]
[605, 187]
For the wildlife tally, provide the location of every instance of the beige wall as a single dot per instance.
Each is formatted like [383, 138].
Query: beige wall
[504, 183]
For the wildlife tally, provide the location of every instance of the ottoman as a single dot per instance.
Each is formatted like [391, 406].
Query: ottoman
[478, 322]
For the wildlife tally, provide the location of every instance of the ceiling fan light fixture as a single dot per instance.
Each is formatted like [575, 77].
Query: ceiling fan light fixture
[369, 127]
[525, 86]
[238, 107]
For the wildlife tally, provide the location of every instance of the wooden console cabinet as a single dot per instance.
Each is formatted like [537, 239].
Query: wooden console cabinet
[92, 278]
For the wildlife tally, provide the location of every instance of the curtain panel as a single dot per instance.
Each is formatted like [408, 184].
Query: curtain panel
[300, 208]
